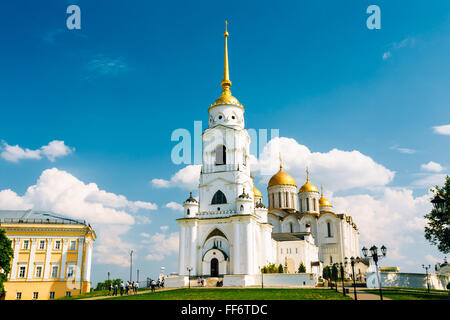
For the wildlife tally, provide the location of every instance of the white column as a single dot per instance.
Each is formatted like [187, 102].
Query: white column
[182, 243]
[246, 245]
[31, 260]
[193, 247]
[62, 274]
[79, 259]
[236, 248]
[16, 256]
[87, 266]
[47, 259]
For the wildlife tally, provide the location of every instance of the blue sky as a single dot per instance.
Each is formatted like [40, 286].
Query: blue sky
[115, 91]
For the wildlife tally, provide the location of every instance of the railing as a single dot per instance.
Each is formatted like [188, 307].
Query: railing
[215, 214]
[219, 168]
[41, 221]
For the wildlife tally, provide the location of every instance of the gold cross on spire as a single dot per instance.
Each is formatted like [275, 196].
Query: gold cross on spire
[281, 163]
[307, 174]
[226, 83]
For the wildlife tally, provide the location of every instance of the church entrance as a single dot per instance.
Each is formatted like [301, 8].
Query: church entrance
[214, 267]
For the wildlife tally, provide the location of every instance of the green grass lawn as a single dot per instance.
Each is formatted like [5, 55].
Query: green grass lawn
[412, 294]
[91, 294]
[238, 294]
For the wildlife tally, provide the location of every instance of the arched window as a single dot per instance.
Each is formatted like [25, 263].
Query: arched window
[242, 207]
[219, 198]
[314, 201]
[291, 227]
[221, 155]
[188, 211]
[307, 204]
[279, 200]
[329, 229]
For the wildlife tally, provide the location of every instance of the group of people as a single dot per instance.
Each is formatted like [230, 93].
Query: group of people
[201, 282]
[126, 288]
[156, 284]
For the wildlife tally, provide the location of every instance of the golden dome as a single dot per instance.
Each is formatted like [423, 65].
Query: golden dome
[256, 192]
[308, 187]
[324, 202]
[282, 177]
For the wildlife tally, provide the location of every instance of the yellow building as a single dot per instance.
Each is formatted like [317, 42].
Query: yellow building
[52, 255]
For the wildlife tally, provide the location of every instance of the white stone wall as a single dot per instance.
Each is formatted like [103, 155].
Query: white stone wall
[413, 280]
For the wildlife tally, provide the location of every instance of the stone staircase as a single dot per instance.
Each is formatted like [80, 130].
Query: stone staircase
[210, 281]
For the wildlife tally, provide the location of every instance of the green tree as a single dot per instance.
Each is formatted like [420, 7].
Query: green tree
[326, 273]
[437, 230]
[301, 268]
[6, 255]
[280, 268]
[334, 273]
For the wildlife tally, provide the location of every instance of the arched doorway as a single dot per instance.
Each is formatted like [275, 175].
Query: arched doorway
[214, 267]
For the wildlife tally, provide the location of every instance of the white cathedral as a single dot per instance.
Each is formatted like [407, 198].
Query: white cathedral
[230, 233]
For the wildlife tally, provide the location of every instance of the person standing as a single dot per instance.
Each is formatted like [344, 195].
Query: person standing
[122, 287]
[153, 284]
[110, 289]
[115, 290]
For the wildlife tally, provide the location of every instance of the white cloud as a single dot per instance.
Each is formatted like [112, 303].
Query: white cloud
[145, 235]
[175, 206]
[53, 150]
[164, 228]
[60, 192]
[432, 260]
[429, 181]
[445, 129]
[162, 245]
[56, 149]
[432, 166]
[403, 150]
[102, 66]
[386, 55]
[395, 217]
[336, 169]
[187, 178]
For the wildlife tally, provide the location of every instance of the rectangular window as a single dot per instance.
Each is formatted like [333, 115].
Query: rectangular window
[55, 272]
[35, 295]
[329, 229]
[18, 295]
[287, 199]
[307, 204]
[38, 271]
[70, 271]
[314, 201]
[57, 245]
[41, 244]
[67, 293]
[73, 245]
[25, 244]
[22, 271]
[279, 200]
[52, 295]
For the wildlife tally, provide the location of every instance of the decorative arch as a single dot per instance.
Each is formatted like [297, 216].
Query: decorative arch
[219, 198]
[221, 154]
[215, 232]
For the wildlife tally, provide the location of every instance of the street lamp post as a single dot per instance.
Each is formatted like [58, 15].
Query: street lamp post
[108, 276]
[375, 257]
[189, 269]
[137, 275]
[131, 265]
[341, 265]
[262, 278]
[426, 270]
[353, 261]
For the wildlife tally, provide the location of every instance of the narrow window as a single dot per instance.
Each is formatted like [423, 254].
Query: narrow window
[301, 207]
[38, 271]
[42, 244]
[73, 245]
[291, 227]
[314, 201]
[19, 295]
[287, 199]
[221, 155]
[25, 244]
[55, 272]
[242, 207]
[331, 259]
[329, 229]
[57, 245]
[22, 272]
[188, 211]
[307, 204]
[52, 295]
[279, 200]
[35, 295]
[67, 293]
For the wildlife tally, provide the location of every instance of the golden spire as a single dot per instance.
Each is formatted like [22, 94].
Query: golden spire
[226, 83]
[226, 97]
[307, 174]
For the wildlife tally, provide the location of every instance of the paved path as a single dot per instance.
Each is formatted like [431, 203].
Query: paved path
[131, 294]
[362, 294]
